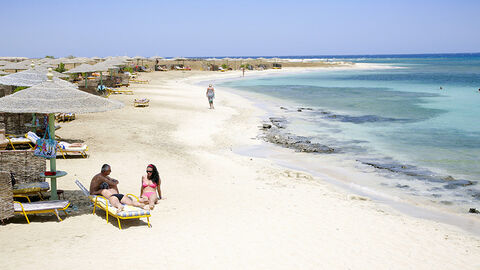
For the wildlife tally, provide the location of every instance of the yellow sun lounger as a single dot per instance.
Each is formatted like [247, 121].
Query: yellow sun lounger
[144, 102]
[118, 91]
[129, 212]
[30, 189]
[72, 148]
[139, 81]
[12, 141]
[40, 207]
[63, 147]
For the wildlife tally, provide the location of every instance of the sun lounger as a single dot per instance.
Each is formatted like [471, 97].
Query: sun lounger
[40, 207]
[65, 117]
[144, 102]
[30, 189]
[129, 212]
[161, 68]
[119, 91]
[63, 147]
[72, 148]
[12, 141]
[3, 140]
[139, 81]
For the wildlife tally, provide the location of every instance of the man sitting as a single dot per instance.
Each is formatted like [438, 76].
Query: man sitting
[104, 185]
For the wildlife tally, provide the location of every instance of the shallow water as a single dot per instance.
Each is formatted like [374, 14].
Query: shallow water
[426, 140]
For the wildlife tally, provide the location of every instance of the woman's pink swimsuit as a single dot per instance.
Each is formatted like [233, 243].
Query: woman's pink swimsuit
[148, 194]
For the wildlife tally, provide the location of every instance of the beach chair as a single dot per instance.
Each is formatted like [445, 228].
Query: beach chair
[18, 141]
[129, 212]
[119, 91]
[65, 117]
[69, 117]
[60, 117]
[63, 147]
[161, 68]
[40, 207]
[143, 102]
[3, 140]
[72, 148]
[30, 189]
[139, 81]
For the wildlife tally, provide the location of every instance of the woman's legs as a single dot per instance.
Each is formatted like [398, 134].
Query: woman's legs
[152, 200]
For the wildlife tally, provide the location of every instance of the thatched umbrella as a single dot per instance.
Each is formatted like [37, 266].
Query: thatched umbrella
[183, 59]
[76, 60]
[83, 68]
[101, 67]
[139, 58]
[155, 57]
[16, 66]
[32, 77]
[50, 97]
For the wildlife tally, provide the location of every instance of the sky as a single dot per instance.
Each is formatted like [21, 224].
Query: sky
[237, 28]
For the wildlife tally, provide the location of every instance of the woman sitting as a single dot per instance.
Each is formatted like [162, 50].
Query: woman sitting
[150, 187]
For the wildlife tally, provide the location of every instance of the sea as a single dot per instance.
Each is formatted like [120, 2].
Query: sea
[413, 120]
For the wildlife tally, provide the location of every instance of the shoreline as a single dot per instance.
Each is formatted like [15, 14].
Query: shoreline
[419, 207]
[220, 206]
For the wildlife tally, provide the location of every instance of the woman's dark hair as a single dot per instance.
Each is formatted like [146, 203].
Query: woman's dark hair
[155, 177]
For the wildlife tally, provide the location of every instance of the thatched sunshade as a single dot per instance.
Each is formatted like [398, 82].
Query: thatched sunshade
[83, 68]
[32, 77]
[138, 58]
[183, 59]
[54, 97]
[16, 66]
[50, 97]
[100, 67]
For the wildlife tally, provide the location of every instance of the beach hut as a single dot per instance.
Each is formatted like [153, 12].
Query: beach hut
[50, 97]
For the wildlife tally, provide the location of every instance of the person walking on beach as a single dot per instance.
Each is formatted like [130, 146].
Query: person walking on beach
[151, 186]
[210, 95]
[104, 185]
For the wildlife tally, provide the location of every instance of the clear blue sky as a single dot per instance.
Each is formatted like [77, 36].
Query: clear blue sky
[237, 28]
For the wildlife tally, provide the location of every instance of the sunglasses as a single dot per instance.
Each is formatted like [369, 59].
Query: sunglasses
[149, 171]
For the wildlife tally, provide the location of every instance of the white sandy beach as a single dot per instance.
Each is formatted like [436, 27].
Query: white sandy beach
[220, 210]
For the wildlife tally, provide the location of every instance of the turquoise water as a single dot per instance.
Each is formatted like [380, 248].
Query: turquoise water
[416, 123]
